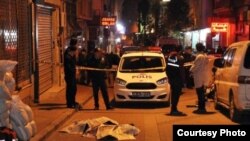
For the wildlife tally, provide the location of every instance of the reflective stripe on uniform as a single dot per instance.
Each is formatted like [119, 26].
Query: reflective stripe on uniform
[175, 65]
[172, 60]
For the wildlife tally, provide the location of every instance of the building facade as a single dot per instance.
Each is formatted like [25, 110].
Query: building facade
[199, 32]
[224, 21]
[35, 33]
[15, 41]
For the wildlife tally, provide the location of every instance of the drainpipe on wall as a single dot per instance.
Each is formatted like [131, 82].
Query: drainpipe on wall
[36, 70]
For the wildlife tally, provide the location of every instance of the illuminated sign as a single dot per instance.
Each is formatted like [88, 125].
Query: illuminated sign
[108, 21]
[219, 27]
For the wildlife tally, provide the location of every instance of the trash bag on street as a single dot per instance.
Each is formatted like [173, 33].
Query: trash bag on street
[7, 86]
[4, 106]
[21, 117]
[9, 82]
[7, 66]
[4, 91]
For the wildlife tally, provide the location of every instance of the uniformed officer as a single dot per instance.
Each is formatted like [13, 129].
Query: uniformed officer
[174, 76]
[98, 78]
[70, 73]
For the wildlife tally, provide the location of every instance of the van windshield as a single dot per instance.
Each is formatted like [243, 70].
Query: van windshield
[142, 64]
[247, 58]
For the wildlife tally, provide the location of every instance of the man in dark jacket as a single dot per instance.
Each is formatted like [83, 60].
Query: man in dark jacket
[188, 58]
[70, 73]
[98, 78]
[82, 61]
[175, 79]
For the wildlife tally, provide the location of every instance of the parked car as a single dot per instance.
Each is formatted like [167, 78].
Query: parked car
[232, 79]
[141, 76]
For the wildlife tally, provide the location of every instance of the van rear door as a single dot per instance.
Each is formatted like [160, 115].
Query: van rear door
[245, 79]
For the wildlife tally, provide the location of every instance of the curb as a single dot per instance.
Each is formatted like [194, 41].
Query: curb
[53, 126]
[44, 133]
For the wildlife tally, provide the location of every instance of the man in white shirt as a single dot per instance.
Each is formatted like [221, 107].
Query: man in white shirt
[199, 72]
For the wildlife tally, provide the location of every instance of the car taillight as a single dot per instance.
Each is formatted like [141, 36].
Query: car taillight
[244, 79]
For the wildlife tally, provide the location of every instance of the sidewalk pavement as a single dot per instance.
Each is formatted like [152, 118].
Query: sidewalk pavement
[51, 111]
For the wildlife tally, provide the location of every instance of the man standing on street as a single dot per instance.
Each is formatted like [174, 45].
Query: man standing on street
[98, 78]
[199, 71]
[70, 73]
[82, 61]
[175, 79]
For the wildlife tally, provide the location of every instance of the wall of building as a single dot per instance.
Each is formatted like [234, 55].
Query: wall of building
[21, 45]
[98, 7]
[59, 34]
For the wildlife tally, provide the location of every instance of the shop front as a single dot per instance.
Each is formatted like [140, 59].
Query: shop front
[191, 38]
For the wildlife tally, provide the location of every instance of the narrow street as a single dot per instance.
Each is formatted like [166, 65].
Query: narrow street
[137, 41]
[152, 119]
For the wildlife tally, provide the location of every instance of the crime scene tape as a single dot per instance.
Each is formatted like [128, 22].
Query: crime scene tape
[50, 63]
[77, 67]
[95, 69]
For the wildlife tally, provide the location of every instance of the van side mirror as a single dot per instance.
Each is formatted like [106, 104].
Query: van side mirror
[218, 62]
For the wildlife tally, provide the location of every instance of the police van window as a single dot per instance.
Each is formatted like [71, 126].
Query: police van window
[231, 57]
[228, 58]
[247, 58]
[225, 58]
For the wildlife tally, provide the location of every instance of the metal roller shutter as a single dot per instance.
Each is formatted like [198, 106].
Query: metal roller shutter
[8, 30]
[24, 44]
[15, 38]
[44, 48]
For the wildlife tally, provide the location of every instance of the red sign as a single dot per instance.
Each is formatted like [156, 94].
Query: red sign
[108, 21]
[219, 27]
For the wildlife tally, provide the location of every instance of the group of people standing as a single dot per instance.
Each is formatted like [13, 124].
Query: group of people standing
[94, 60]
[174, 71]
[198, 71]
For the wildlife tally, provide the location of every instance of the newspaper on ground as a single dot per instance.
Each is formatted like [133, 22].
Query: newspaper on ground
[102, 128]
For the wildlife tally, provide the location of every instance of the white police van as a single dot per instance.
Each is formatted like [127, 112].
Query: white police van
[141, 76]
[232, 79]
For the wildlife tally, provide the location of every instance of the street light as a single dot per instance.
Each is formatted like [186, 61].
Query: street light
[120, 28]
[118, 40]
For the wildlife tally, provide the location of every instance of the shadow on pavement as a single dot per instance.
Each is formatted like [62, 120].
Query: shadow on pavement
[139, 105]
[205, 113]
[244, 119]
[178, 115]
[51, 106]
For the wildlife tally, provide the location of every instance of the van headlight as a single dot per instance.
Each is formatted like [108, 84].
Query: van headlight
[120, 81]
[162, 81]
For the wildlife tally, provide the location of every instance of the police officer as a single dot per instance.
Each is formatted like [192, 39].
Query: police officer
[98, 78]
[82, 61]
[175, 79]
[70, 73]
